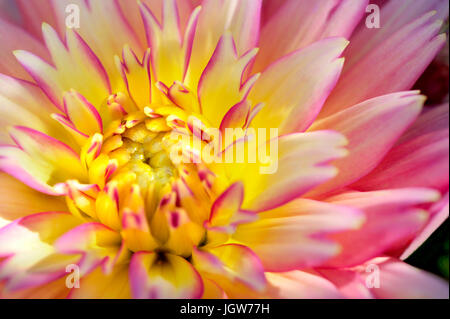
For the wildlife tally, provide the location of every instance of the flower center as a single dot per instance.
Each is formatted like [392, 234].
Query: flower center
[145, 153]
[155, 203]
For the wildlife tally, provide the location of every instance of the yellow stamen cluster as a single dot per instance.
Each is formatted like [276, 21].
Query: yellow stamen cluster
[155, 204]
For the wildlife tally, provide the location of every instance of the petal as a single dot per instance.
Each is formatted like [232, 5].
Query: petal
[82, 114]
[237, 116]
[56, 289]
[131, 12]
[34, 12]
[227, 203]
[97, 285]
[105, 29]
[400, 280]
[269, 8]
[40, 160]
[393, 218]
[39, 226]
[212, 290]
[348, 282]
[135, 226]
[221, 85]
[300, 285]
[419, 159]
[295, 87]
[97, 243]
[8, 12]
[279, 179]
[226, 211]
[173, 277]
[439, 214]
[107, 206]
[372, 128]
[75, 67]
[23, 103]
[15, 38]
[170, 54]
[33, 236]
[136, 76]
[298, 23]
[410, 50]
[396, 15]
[231, 262]
[294, 236]
[240, 17]
[18, 200]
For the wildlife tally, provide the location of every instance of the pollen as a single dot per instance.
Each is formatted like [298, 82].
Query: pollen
[144, 153]
[156, 203]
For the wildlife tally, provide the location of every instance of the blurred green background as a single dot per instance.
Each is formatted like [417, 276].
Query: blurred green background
[433, 254]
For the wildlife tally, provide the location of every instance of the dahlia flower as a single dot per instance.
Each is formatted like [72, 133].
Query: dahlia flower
[90, 106]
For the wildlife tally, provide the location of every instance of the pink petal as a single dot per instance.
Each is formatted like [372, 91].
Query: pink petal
[299, 23]
[14, 38]
[393, 218]
[96, 243]
[295, 87]
[32, 236]
[439, 213]
[419, 159]
[349, 283]
[236, 117]
[34, 12]
[268, 187]
[300, 285]
[75, 67]
[23, 103]
[400, 280]
[390, 65]
[227, 204]
[169, 55]
[372, 128]
[294, 236]
[40, 161]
